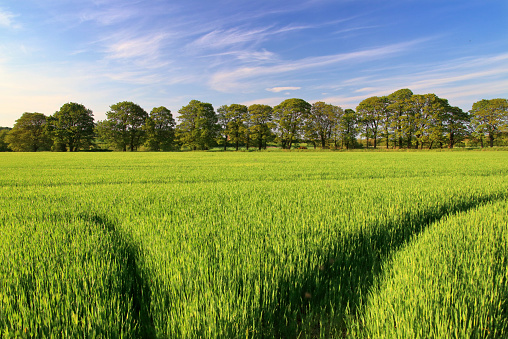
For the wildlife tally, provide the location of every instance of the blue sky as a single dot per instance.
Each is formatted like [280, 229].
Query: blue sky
[166, 53]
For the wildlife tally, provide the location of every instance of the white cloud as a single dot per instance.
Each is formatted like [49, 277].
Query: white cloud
[222, 38]
[146, 46]
[282, 89]
[365, 89]
[461, 81]
[6, 19]
[232, 80]
[265, 101]
[255, 56]
[109, 16]
[352, 29]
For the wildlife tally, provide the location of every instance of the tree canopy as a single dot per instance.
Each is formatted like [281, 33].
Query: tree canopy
[72, 127]
[4, 145]
[160, 130]
[321, 122]
[198, 126]
[289, 117]
[261, 124]
[489, 118]
[234, 119]
[346, 130]
[29, 133]
[371, 113]
[400, 119]
[124, 126]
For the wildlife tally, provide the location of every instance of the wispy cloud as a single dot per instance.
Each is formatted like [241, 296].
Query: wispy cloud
[165, 52]
[461, 81]
[282, 89]
[232, 79]
[7, 20]
[256, 56]
[222, 38]
[109, 16]
[273, 101]
[353, 29]
[145, 46]
[219, 39]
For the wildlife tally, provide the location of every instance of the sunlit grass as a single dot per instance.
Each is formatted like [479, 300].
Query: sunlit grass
[449, 283]
[225, 244]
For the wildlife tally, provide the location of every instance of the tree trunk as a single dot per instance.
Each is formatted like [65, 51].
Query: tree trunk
[399, 141]
[450, 141]
[491, 139]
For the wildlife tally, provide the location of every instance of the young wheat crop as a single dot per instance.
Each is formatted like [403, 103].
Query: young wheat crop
[227, 245]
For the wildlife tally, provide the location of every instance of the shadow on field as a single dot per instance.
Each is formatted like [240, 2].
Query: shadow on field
[134, 288]
[341, 283]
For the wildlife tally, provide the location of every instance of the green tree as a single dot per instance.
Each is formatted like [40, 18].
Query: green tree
[247, 128]
[386, 120]
[124, 126]
[400, 119]
[160, 130]
[436, 106]
[29, 133]
[371, 113]
[489, 118]
[429, 114]
[321, 122]
[290, 116]
[223, 120]
[4, 145]
[455, 122]
[198, 127]
[346, 130]
[235, 128]
[261, 124]
[73, 126]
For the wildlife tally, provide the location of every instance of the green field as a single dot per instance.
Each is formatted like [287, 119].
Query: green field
[254, 245]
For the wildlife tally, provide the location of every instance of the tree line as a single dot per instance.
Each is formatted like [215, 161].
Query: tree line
[399, 120]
